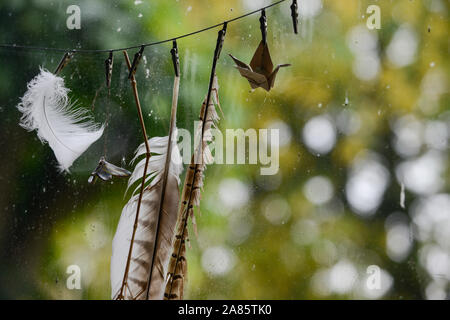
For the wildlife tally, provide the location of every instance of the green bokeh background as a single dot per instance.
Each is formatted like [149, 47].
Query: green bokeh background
[50, 220]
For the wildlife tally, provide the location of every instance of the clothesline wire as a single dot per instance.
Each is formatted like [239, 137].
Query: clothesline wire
[13, 46]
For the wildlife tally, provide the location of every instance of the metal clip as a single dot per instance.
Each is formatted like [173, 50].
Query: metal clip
[294, 15]
[64, 61]
[109, 68]
[263, 25]
[220, 40]
[136, 60]
[175, 58]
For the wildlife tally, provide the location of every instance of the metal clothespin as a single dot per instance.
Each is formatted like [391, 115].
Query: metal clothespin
[109, 68]
[64, 61]
[263, 25]
[175, 58]
[220, 40]
[294, 15]
[136, 60]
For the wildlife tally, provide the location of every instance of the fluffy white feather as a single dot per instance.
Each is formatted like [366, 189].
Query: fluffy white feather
[47, 109]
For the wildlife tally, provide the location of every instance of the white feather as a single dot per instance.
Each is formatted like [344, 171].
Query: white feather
[47, 109]
[143, 247]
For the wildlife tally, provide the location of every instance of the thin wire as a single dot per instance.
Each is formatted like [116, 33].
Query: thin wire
[13, 46]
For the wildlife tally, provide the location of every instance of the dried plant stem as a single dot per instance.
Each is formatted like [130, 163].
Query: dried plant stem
[147, 158]
[173, 117]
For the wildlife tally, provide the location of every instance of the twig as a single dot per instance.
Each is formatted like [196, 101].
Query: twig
[14, 46]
